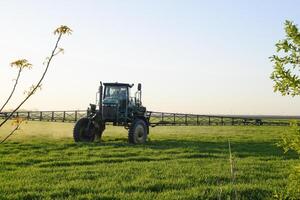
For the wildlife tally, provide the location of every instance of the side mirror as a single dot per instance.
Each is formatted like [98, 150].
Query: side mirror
[139, 87]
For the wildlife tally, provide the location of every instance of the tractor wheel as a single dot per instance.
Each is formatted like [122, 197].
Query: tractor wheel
[84, 131]
[99, 131]
[138, 132]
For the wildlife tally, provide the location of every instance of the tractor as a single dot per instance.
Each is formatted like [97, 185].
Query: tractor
[116, 107]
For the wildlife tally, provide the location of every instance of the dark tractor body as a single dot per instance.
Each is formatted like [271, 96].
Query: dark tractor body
[115, 106]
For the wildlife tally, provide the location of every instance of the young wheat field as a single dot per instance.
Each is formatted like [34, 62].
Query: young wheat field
[41, 161]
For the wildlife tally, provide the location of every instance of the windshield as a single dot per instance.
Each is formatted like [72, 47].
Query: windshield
[116, 92]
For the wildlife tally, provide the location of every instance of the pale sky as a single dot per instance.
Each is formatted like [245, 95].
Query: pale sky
[205, 57]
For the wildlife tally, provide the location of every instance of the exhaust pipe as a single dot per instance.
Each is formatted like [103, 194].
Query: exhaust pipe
[100, 99]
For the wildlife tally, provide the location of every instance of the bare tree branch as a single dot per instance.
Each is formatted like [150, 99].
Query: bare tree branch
[60, 31]
[11, 133]
[13, 90]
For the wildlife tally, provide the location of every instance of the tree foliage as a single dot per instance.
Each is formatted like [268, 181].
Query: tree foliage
[291, 140]
[286, 74]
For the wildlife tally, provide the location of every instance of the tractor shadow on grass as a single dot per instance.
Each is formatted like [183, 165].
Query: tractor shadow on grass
[240, 149]
[201, 149]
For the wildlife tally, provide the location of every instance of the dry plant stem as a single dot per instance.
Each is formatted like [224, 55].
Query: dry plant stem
[11, 133]
[230, 160]
[38, 84]
[232, 169]
[13, 90]
[220, 194]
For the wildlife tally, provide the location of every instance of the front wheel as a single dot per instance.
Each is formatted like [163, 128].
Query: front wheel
[138, 132]
[84, 130]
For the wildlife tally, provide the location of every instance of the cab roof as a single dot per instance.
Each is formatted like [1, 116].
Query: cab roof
[118, 84]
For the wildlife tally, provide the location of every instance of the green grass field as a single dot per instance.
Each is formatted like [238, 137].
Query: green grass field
[41, 161]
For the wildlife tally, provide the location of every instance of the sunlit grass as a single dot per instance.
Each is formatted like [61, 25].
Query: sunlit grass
[42, 161]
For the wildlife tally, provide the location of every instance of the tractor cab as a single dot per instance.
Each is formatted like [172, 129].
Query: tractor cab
[118, 108]
[115, 95]
[117, 105]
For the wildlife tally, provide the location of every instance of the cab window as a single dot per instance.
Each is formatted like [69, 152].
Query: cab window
[116, 92]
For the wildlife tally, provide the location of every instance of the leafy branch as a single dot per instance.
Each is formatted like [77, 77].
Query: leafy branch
[21, 64]
[286, 74]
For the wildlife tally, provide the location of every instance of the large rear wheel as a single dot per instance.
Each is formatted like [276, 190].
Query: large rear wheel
[84, 130]
[138, 132]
